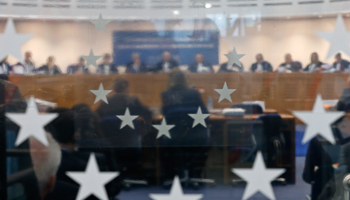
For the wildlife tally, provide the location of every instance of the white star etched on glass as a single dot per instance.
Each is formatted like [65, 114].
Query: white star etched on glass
[127, 119]
[258, 178]
[101, 94]
[199, 117]
[163, 129]
[91, 59]
[234, 58]
[100, 23]
[176, 193]
[339, 38]
[92, 181]
[31, 123]
[225, 93]
[11, 42]
[318, 121]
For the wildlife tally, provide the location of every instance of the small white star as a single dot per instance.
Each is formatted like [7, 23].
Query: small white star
[91, 59]
[199, 118]
[176, 193]
[234, 58]
[92, 181]
[100, 23]
[11, 42]
[339, 38]
[101, 94]
[31, 123]
[163, 129]
[127, 119]
[225, 93]
[318, 121]
[258, 178]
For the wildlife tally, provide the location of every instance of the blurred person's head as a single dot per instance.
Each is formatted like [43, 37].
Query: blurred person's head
[259, 58]
[62, 128]
[135, 57]
[199, 58]
[338, 57]
[288, 58]
[166, 56]
[314, 58]
[28, 56]
[121, 85]
[81, 61]
[50, 61]
[177, 79]
[46, 160]
[107, 58]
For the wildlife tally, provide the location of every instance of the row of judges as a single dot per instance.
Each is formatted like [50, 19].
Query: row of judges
[167, 63]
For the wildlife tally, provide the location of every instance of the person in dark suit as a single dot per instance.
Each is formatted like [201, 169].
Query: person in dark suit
[136, 66]
[200, 66]
[344, 100]
[188, 146]
[49, 68]
[166, 64]
[340, 65]
[289, 65]
[315, 65]
[78, 68]
[5, 68]
[107, 66]
[261, 65]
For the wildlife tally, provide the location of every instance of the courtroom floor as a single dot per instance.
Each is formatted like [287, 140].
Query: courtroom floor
[288, 192]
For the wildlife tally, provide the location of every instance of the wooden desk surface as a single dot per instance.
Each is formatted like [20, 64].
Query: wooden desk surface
[281, 92]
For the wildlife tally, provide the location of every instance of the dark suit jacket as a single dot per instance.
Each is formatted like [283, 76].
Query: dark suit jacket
[295, 66]
[344, 100]
[73, 68]
[343, 65]
[160, 66]
[112, 69]
[194, 67]
[322, 179]
[318, 65]
[267, 67]
[223, 68]
[131, 70]
[7, 66]
[177, 103]
[45, 69]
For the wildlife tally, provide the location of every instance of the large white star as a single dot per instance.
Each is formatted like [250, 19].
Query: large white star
[127, 119]
[339, 38]
[199, 118]
[91, 59]
[92, 181]
[258, 178]
[234, 58]
[225, 93]
[163, 129]
[101, 94]
[31, 123]
[318, 121]
[11, 42]
[176, 193]
[100, 23]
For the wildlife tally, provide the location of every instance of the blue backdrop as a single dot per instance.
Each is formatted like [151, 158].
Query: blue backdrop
[183, 45]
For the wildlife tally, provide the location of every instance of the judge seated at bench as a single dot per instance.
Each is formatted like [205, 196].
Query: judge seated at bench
[200, 65]
[49, 68]
[5, 68]
[289, 65]
[233, 68]
[78, 68]
[136, 66]
[340, 65]
[26, 67]
[107, 66]
[166, 64]
[315, 65]
[261, 65]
